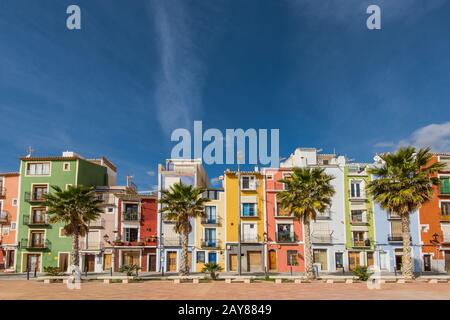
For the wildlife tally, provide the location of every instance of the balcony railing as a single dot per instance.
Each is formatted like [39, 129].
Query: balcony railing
[4, 217]
[35, 245]
[285, 237]
[176, 241]
[393, 216]
[323, 216]
[211, 220]
[248, 215]
[35, 196]
[91, 245]
[35, 221]
[395, 238]
[446, 239]
[131, 216]
[250, 238]
[445, 217]
[361, 243]
[210, 243]
[97, 224]
[323, 238]
[359, 220]
[2, 192]
[361, 197]
[283, 214]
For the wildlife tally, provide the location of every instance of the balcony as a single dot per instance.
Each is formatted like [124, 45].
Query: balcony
[131, 216]
[40, 221]
[107, 199]
[393, 216]
[323, 216]
[322, 239]
[97, 224]
[250, 238]
[446, 239]
[211, 243]
[4, 217]
[395, 238]
[252, 214]
[2, 192]
[358, 220]
[445, 217]
[285, 237]
[35, 196]
[211, 220]
[35, 245]
[172, 241]
[361, 243]
[91, 245]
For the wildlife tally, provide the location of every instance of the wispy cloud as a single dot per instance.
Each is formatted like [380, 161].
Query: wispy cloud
[215, 181]
[435, 135]
[180, 78]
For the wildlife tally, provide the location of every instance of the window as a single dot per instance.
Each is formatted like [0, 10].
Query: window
[292, 258]
[14, 202]
[445, 208]
[269, 177]
[249, 209]
[39, 191]
[37, 239]
[200, 256]
[285, 177]
[285, 233]
[446, 161]
[339, 257]
[131, 234]
[320, 258]
[357, 216]
[325, 162]
[4, 231]
[248, 183]
[110, 210]
[355, 189]
[62, 233]
[13, 226]
[38, 215]
[396, 228]
[445, 186]
[211, 214]
[38, 169]
[359, 238]
[66, 166]
[212, 194]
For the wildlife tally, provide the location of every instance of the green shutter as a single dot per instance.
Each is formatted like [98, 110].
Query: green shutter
[445, 186]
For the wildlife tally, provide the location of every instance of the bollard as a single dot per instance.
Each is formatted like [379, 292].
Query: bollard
[35, 272]
[110, 271]
[28, 274]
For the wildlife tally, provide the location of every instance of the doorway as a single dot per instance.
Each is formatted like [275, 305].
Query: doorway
[353, 260]
[254, 261]
[272, 260]
[233, 262]
[152, 262]
[212, 257]
[34, 262]
[426, 262]
[171, 264]
[107, 261]
[63, 263]
[447, 261]
[370, 261]
[398, 262]
[89, 262]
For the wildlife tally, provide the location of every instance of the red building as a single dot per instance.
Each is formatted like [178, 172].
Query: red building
[135, 238]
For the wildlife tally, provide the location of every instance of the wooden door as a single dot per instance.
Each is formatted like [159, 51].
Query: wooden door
[171, 261]
[89, 263]
[353, 260]
[398, 262]
[152, 262]
[233, 262]
[370, 259]
[63, 262]
[447, 261]
[107, 261]
[254, 261]
[33, 262]
[272, 260]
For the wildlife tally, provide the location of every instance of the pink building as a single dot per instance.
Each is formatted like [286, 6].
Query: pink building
[284, 232]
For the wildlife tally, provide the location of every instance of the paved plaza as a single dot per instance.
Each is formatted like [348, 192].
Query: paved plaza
[154, 290]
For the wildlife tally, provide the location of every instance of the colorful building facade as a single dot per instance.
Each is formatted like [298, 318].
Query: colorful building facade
[209, 231]
[42, 244]
[359, 219]
[186, 171]
[251, 215]
[435, 222]
[285, 246]
[9, 192]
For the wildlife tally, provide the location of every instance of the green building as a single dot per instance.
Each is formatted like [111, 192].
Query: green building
[359, 217]
[40, 243]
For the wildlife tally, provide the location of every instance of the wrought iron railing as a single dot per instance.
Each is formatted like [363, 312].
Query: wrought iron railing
[37, 221]
[35, 245]
[35, 196]
[285, 237]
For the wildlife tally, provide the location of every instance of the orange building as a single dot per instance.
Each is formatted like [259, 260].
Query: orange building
[435, 222]
[9, 185]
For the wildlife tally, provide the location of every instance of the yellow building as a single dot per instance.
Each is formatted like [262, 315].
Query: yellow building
[209, 231]
[251, 214]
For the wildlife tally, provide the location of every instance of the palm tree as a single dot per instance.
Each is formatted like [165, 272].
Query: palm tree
[75, 207]
[404, 181]
[180, 203]
[307, 191]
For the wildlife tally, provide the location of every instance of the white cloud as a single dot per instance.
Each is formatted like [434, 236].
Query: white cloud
[435, 135]
[180, 78]
[215, 181]
[151, 173]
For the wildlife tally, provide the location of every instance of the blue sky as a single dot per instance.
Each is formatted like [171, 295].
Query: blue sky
[139, 69]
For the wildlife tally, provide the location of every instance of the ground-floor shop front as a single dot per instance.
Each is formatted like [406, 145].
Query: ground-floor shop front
[251, 258]
[145, 258]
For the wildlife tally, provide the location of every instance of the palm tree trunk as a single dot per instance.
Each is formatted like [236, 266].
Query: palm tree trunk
[76, 250]
[407, 266]
[184, 270]
[309, 270]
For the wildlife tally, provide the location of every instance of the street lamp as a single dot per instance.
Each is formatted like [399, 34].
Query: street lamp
[161, 253]
[264, 253]
[239, 159]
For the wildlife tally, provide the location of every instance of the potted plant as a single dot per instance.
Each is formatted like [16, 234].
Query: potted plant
[212, 268]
